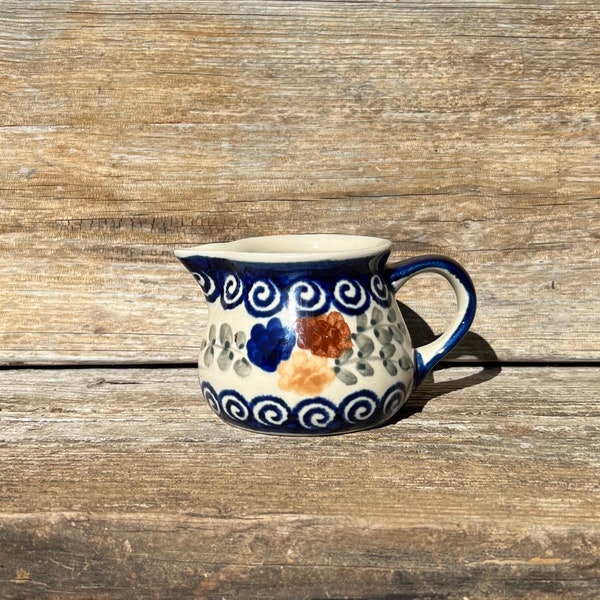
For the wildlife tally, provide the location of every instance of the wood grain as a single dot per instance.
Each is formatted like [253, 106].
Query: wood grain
[467, 128]
[464, 128]
[121, 481]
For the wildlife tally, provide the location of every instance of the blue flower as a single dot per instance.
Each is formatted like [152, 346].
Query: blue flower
[269, 345]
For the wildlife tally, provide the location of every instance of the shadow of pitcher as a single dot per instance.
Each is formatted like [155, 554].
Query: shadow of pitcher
[480, 354]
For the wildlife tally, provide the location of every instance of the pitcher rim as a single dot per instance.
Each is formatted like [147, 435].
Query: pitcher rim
[305, 247]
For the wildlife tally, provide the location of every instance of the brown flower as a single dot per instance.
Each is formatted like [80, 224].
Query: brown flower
[304, 373]
[326, 335]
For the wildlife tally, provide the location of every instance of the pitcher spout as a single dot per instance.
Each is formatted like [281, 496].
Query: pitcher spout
[205, 269]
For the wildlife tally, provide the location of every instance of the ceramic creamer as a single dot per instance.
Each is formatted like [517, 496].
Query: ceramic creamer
[305, 335]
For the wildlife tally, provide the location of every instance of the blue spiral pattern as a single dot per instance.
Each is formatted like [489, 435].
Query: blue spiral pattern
[270, 411]
[211, 397]
[270, 414]
[264, 298]
[393, 399]
[233, 291]
[265, 290]
[208, 285]
[309, 298]
[359, 406]
[316, 414]
[379, 289]
[234, 406]
[350, 297]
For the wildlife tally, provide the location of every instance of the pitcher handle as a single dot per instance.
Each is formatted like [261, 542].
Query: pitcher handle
[397, 274]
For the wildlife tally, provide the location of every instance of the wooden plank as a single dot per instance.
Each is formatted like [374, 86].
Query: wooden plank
[122, 482]
[468, 128]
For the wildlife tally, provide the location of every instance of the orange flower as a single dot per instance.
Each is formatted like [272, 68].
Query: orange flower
[304, 373]
[326, 335]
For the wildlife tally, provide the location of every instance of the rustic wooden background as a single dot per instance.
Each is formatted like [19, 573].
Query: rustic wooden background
[129, 128]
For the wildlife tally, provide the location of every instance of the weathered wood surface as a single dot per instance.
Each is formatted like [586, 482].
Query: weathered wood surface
[120, 483]
[129, 128]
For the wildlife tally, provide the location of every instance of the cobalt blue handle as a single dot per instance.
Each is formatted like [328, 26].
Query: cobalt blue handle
[397, 274]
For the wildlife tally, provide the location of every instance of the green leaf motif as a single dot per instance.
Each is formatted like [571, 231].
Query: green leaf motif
[240, 339]
[390, 367]
[387, 351]
[376, 316]
[344, 357]
[362, 322]
[209, 356]
[365, 369]
[224, 359]
[365, 345]
[226, 335]
[397, 333]
[383, 333]
[345, 376]
[405, 363]
[212, 333]
[242, 367]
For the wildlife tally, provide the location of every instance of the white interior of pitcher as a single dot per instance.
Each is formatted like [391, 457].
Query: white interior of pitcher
[293, 248]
